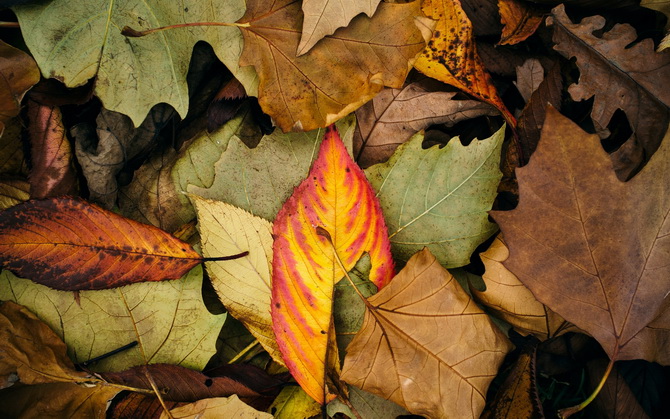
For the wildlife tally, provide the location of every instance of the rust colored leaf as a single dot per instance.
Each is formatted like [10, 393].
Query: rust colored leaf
[451, 55]
[592, 248]
[18, 73]
[69, 244]
[336, 198]
[520, 20]
[426, 345]
[394, 115]
[137, 405]
[338, 75]
[53, 172]
[617, 76]
[512, 301]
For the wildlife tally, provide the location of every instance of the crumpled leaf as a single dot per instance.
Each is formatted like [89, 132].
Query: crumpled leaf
[167, 319]
[68, 244]
[394, 115]
[520, 20]
[52, 171]
[261, 179]
[340, 74]
[104, 152]
[590, 247]
[451, 55]
[618, 77]
[425, 344]
[324, 17]
[336, 198]
[243, 285]
[18, 73]
[75, 41]
[216, 408]
[446, 193]
[13, 191]
[510, 300]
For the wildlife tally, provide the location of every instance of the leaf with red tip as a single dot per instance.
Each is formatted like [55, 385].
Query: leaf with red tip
[337, 198]
[69, 244]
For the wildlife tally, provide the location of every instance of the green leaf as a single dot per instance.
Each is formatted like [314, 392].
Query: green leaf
[260, 179]
[439, 197]
[294, 403]
[81, 39]
[168, 319]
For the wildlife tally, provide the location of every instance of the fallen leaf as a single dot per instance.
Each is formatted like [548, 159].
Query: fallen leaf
[103, 152]
[367, 405]
[216, 408]
[615, 400]
[446, 193]
[517, 397]
[618, 77]
[451, 55]
[137, 405]
[425, 344]
[484, 16]
[18, 73]
[52, 171]
[225, 105]
[12, 159]
[38, 241]
[167, 319]
[324, 17]
[520, 20]
[590, 247]
[243, 285]
[394, 115]
[75, 41]
[664, 44]
[294, 403]
[13, 191]
[529, 76]
[261, 179]
[340, 74]
[335, 197]
[511, 301]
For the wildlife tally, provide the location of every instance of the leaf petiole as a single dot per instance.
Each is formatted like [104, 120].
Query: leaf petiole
[130, 32]
[85, 364]
[230, 257]
[569, 411]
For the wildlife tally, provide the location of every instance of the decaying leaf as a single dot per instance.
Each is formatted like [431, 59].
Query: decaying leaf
[243, 285]
[451, 55]
[590, 247]
[512, 301]
[167, 319]
[13, 191]
[68, 244]
[394, 115]
[520, 20]
[18, 73]
[52, 171]
[336, 198]
[75, 41]
[633, 79]
[340, 74]
[216, 408]
[12, 159]
[439, 197]
[425, 344]
[324, 17]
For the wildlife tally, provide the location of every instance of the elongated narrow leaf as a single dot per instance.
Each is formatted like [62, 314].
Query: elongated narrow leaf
[337, 198]
[69, 244]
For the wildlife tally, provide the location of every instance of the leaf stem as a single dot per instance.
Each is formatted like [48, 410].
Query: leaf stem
[244, 351]
[107, 355]
[569, 411]
[158, 394]
[230, 257]
[9, 25]
[128, 31]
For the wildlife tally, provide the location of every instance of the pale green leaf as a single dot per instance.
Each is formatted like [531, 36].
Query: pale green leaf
[168, 319]
[439, 197]
[294, 403]
[75, 41]
[367, 405]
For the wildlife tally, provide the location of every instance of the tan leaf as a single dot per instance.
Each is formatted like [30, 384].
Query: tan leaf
[529, 76]
[425, 344]
[216, 408]
[340, 74]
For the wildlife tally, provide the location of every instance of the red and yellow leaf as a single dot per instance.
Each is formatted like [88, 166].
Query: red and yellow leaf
[336, 197]
[69, 244]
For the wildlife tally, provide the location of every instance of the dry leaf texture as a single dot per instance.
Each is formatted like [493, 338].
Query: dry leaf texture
[335, 197]
[68, 244]
[18, 73]
[590, 247]
[520, 20]
[426, 345]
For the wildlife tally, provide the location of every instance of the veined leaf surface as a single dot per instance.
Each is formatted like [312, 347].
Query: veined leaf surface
[336, 197]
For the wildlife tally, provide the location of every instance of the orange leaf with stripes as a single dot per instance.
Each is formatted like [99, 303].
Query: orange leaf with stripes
[69, 244]
[337, 198]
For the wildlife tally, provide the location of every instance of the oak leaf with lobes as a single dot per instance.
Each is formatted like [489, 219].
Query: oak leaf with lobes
[68, 244]
[592, 248]
[337, 199]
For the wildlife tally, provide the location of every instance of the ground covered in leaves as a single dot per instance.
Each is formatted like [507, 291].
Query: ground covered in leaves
[364, 209]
